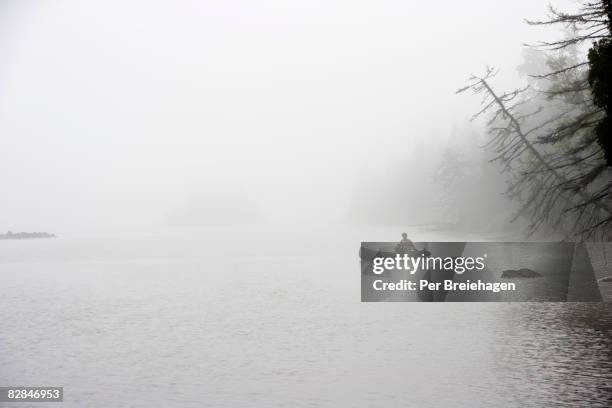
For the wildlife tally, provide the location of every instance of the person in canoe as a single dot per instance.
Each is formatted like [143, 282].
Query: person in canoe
[407, 246]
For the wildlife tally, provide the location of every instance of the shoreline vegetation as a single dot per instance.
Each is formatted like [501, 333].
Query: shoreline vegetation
[26, 235]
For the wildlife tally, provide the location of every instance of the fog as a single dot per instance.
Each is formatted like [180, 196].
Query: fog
[122, 114]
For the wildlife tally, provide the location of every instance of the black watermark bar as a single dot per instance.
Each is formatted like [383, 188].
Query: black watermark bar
[486, 271]
[31, 394]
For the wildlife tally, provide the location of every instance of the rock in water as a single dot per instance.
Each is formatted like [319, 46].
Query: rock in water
[26, 235]
[520, 273]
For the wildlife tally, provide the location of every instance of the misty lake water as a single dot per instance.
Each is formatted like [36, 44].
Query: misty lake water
[236, 317]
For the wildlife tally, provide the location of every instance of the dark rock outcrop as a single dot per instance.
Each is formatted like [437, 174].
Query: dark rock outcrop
[26, 235]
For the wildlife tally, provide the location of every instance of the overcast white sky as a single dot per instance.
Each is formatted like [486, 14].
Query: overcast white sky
[113, 113]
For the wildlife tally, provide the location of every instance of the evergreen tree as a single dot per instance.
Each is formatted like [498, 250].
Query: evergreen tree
[553, 136]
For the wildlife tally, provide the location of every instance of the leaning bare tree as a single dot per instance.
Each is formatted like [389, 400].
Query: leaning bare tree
[550, 139]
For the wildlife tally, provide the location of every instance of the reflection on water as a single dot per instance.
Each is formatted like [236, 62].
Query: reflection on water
[189, 321]
[560, 353]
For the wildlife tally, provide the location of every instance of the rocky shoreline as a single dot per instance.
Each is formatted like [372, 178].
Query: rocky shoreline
[26, 235]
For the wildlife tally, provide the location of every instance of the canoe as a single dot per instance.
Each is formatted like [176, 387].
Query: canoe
[370, 250]
[368, 253]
